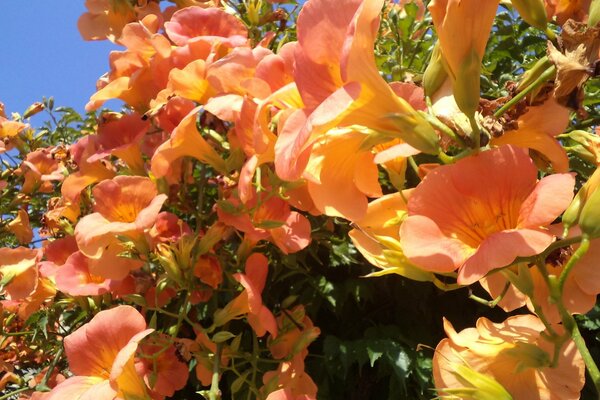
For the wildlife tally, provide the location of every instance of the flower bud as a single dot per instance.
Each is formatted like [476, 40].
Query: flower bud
[594, 14]
[585, 145]
[33, 109]
[168, 261]
[574, 213]
[532, 74]
[416, 131]
[589, 220]
[466, 86]
[435, 73]
[533, 12]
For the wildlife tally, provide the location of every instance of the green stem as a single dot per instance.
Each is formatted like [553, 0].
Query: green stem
[183, 313]
[559, 244]
[18, 333]
[255, 356]
[215, 393]
[446, 159]
[555, 287]
[43, 386]
[476, 138]
[11, 394]
[413, 165]
[580, 252]
[586, 123]
[545, 76]
[491, 303]
[589, 362]
[444, 129]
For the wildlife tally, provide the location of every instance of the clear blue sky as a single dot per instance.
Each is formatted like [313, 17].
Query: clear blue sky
[44, 55]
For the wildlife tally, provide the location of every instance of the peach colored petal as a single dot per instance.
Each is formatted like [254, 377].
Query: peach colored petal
[394, 152]
[551, 196]
[586, 272]
[185, 141]
[123, 371]
[546, 145]
[294, 235]
[20, 266]
[341, 175]
[500, 249]
[286, 147]
[190, 82]
[109, 264]
[74, 278]
[93, 348]
[426, 245]
[83, 388]
[170, 374]
[494, 284]
[192, 22]
[317, 72]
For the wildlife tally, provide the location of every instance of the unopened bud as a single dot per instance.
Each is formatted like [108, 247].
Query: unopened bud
[585, 145]
[168, 261]
[574, 213]
[435, 73]
[466, 86]
[533, 12]
[33, 109]
[534, 73]
[594, 14]
[589, 220]
[414, 129]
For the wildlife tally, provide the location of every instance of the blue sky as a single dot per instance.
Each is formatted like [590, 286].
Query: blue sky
[44, 55]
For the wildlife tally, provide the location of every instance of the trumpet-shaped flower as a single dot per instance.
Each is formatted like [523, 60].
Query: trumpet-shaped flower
[39, 169]
[185, 141]
[340, 176]
[121, 136]
[249, 302]
[101, 356]
[20, 227]
[471, 21]
[514, 354]
[377, 237]
[88, 172]
[105, 19]
[482, 213]
[19, 271]
[124, 205]
[337, 77]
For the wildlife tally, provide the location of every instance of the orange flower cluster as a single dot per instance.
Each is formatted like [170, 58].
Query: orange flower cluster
[245, 145]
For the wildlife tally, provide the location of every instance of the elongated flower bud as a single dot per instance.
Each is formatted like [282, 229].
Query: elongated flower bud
[466, 85]
[574, 213]
[589, 220]
[414, 129]
[594, 14]
[532, 74]
[435, 74]
[533, 12]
